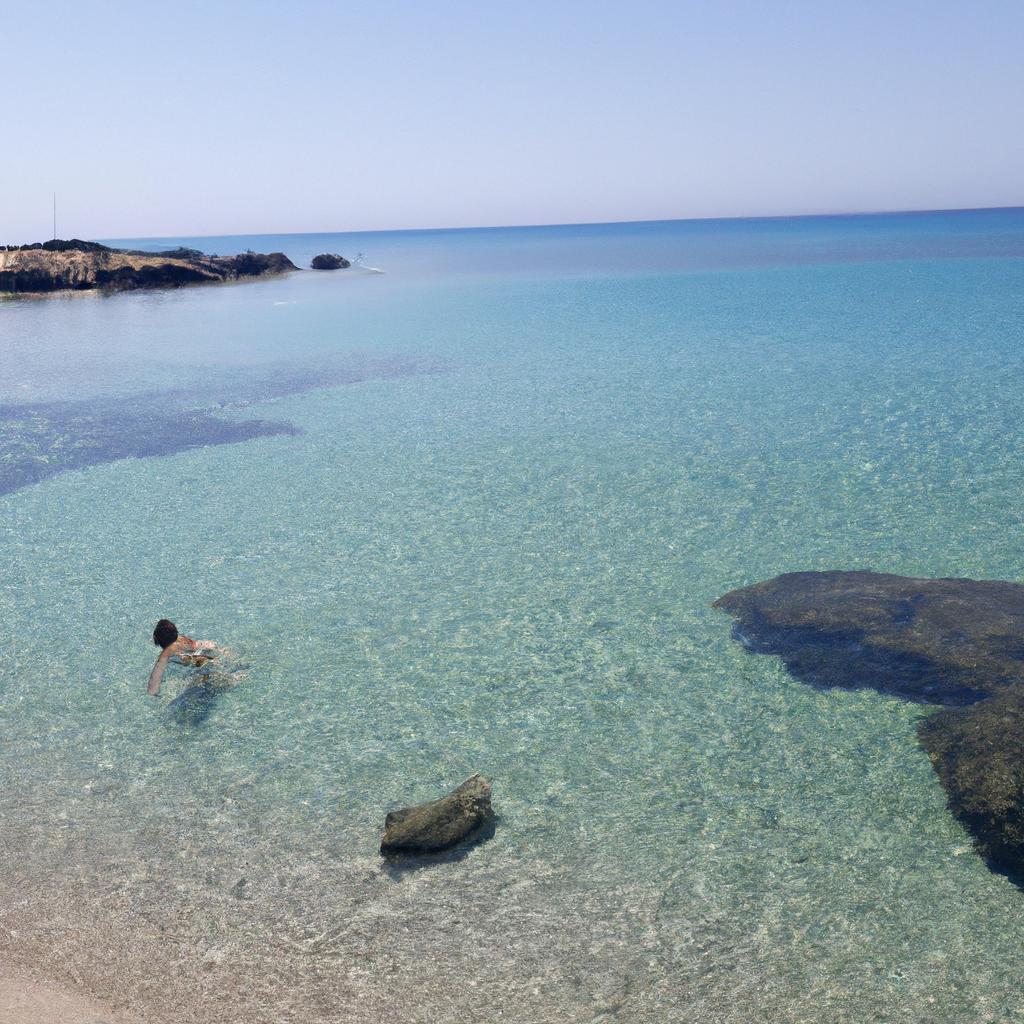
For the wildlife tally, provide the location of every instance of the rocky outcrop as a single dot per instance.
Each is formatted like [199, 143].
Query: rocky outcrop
[329, 261]
[952, 642]
[440, 824]
[74, 265]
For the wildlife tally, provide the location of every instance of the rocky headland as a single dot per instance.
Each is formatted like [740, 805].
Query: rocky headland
[957, 643]
[74, 265]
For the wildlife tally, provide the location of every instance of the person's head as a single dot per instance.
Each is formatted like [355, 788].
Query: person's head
[165, 634]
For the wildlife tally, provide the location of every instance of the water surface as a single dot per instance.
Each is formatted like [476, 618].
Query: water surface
[512, 473]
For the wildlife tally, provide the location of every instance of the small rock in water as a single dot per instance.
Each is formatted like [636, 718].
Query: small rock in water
[330, 261]
[439, 824]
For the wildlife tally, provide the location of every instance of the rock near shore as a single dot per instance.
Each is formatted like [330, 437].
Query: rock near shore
[952, 642]
[439, 824]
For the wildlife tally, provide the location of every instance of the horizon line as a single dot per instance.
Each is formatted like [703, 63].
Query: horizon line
[582, 224]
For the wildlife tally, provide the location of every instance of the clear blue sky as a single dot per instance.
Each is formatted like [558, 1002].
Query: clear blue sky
[221, 117]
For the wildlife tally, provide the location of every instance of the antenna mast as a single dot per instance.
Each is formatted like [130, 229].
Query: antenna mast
[54, 216]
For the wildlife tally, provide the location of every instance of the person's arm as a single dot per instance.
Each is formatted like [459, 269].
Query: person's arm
[157, 674]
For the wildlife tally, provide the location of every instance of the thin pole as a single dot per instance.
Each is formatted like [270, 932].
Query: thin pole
[54, 216]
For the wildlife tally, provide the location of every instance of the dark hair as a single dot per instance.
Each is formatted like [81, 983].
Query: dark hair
[165, 634]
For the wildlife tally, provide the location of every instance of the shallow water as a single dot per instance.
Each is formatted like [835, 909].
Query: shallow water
[521, 465]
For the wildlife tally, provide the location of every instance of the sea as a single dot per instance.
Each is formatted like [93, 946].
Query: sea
[464, 507]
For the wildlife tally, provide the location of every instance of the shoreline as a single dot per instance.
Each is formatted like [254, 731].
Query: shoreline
[27, 998]
[107, 293]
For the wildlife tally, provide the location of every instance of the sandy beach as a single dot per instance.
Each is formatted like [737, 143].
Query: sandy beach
[28, 1000]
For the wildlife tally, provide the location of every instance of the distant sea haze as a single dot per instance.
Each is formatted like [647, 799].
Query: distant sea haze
[647, 246]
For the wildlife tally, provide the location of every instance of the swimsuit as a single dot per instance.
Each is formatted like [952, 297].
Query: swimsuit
[203, 652]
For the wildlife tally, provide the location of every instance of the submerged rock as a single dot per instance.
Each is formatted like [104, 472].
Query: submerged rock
[944, 641]
[978, 754]
[439, 824]
[329, 261]
[954, 642]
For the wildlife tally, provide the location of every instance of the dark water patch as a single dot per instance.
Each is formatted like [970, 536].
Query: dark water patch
[953, 642]
[39, 440]
[282, 380]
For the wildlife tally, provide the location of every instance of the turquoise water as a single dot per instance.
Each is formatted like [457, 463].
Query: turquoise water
[524, 463]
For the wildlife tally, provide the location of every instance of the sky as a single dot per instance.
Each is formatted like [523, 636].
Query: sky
[218, 117]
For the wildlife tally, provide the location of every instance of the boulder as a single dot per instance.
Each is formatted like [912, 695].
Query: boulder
[957, 643]
[439, 824]
[329, 261]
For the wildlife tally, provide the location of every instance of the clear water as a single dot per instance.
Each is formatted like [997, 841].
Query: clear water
[500, 557]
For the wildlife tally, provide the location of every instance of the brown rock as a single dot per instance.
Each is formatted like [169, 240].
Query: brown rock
[439, 824]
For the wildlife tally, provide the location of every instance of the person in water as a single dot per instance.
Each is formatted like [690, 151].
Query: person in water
[183, 649]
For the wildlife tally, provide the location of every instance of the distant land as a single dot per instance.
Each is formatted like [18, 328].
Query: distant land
[74, 265]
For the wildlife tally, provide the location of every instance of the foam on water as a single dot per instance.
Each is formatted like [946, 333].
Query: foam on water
[506, 565]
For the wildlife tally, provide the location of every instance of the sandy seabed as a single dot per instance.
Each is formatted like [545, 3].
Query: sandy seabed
[25, 999]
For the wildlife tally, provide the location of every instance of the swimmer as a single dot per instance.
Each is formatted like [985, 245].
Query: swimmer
[183, 649]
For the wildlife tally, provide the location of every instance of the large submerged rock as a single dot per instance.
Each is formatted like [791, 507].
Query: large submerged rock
[63, 265]
[944, 641]
[439, 824]
[952, 642]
